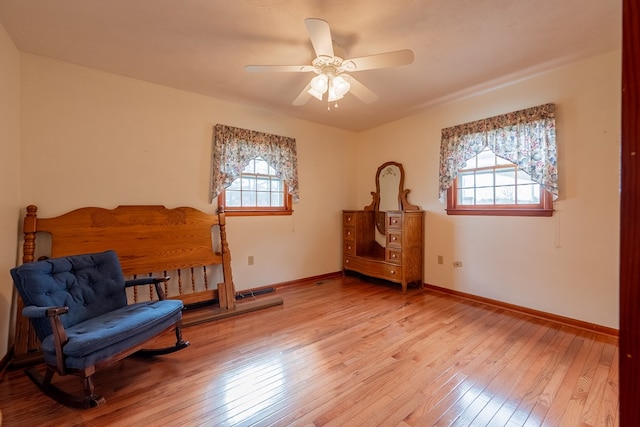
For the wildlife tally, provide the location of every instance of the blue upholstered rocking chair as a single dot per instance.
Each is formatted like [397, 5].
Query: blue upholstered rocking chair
[78, 308]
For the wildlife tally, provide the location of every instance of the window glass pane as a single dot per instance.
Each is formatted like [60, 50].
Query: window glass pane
[506, 195]
[484, 179]
[248, 183]
[466, 180]
[529, 194]
[262, 184]
[232, 198]
[276, 184]
[248, 199]
[466, 197]
[506, 176]
[486, 158]
[277, 199]
[484, 195]
[263, 199]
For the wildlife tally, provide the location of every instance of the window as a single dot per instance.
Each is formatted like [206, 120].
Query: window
[257, 191]
[502, 165]
[259, 170]
[491, 185]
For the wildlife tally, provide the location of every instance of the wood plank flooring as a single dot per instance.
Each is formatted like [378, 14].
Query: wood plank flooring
[345, 352]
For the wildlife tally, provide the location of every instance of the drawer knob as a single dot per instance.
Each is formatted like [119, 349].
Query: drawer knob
[393, 272]
[394, 256]
[347, 262]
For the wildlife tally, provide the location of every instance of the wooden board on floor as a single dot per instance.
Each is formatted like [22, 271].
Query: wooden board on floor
[209, 313]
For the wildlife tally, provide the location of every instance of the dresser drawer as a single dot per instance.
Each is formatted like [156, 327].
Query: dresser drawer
[349, 248]
[375, 268]
[393, 255]
[394, 238]
[394, 221]
[348, 218]
[349, 234]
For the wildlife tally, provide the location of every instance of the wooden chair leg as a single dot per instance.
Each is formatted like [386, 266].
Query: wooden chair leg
[179, 341]
[48, 376]
[87, 382]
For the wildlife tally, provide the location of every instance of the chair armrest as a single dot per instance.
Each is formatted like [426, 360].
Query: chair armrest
[150, 281]
[35, 311]
[59, 334]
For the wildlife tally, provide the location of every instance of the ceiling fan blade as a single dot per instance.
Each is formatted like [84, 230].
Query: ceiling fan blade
[381, 60]
[320, 35]
[278, 68]
[360, 91]
[303, 97]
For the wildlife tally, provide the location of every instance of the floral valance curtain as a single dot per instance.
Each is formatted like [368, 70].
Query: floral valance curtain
[526, 138]
[233, 149]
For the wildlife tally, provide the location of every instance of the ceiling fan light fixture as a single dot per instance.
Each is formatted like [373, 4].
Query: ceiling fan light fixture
[340, 86]
[320, 83]
[333, 95]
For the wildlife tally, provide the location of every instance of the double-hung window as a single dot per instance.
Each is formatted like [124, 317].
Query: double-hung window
[491, 185]
[257, 191]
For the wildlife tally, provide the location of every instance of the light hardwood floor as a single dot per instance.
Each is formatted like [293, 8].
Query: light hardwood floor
[344, 352]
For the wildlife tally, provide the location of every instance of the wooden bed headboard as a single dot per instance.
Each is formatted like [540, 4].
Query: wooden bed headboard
[149, 239]
[146, 238]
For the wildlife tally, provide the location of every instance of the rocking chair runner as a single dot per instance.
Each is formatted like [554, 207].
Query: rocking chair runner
[78, 308]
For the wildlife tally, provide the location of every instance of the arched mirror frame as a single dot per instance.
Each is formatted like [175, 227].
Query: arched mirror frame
[403, 203]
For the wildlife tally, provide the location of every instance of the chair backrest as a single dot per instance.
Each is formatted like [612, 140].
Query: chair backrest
[90, 285]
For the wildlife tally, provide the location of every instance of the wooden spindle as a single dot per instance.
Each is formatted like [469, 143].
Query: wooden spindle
[166, 284]
[29, 230]
[135, 290]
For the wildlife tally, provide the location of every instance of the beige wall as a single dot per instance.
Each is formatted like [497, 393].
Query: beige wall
[566, 264]
[91, 138]
[94, 138]
[9, 173]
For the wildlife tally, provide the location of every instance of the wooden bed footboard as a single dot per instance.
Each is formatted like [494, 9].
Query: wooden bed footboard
[184, 243]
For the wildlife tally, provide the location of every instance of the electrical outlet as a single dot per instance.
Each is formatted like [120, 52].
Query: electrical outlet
[440, 259]
[457, 264]
[250, 260]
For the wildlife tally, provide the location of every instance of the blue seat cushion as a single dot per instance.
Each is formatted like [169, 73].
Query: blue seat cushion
[103, 336]
[90, 285]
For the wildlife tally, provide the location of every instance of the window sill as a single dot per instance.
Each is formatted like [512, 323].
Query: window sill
[228, 212]
[501, 212]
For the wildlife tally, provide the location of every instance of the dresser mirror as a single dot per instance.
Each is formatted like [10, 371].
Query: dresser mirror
[390, 194]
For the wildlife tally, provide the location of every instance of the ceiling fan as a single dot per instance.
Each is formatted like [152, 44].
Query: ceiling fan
[331, 70]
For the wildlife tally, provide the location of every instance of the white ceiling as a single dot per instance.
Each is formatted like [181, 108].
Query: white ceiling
[460, 46]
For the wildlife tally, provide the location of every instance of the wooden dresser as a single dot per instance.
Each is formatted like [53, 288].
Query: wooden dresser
[400, 260]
